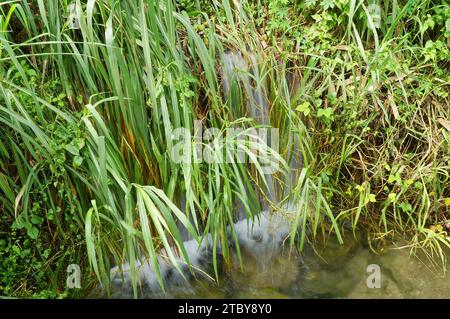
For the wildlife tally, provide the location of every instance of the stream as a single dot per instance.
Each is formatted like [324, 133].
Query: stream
[325, 271]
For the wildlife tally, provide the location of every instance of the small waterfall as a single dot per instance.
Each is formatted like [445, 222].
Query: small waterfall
[262, 237]
[245, 73]
[239, 72]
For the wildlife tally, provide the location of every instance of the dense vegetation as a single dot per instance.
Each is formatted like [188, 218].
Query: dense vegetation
[91, 90]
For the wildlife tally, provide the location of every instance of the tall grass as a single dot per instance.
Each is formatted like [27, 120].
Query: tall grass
[124, 73]
[367, 104]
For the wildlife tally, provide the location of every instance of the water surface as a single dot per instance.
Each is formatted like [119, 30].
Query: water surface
[324, 271]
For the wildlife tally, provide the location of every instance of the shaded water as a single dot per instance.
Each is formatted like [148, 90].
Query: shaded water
[331, 271]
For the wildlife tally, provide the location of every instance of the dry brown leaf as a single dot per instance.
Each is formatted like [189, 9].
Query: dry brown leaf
[445, 123]
[393, 107]
[18, 198]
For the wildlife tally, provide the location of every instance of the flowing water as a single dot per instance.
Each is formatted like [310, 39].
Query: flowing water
[328, 271]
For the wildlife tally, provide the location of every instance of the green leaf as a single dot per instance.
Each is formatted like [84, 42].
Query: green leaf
[77, 161]
[33, 232]
[327, 4]
[392, 197]
[405, 207]
[391, 179]
[36, 220]
[327, 112]
[304, 108]
[75, 146]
